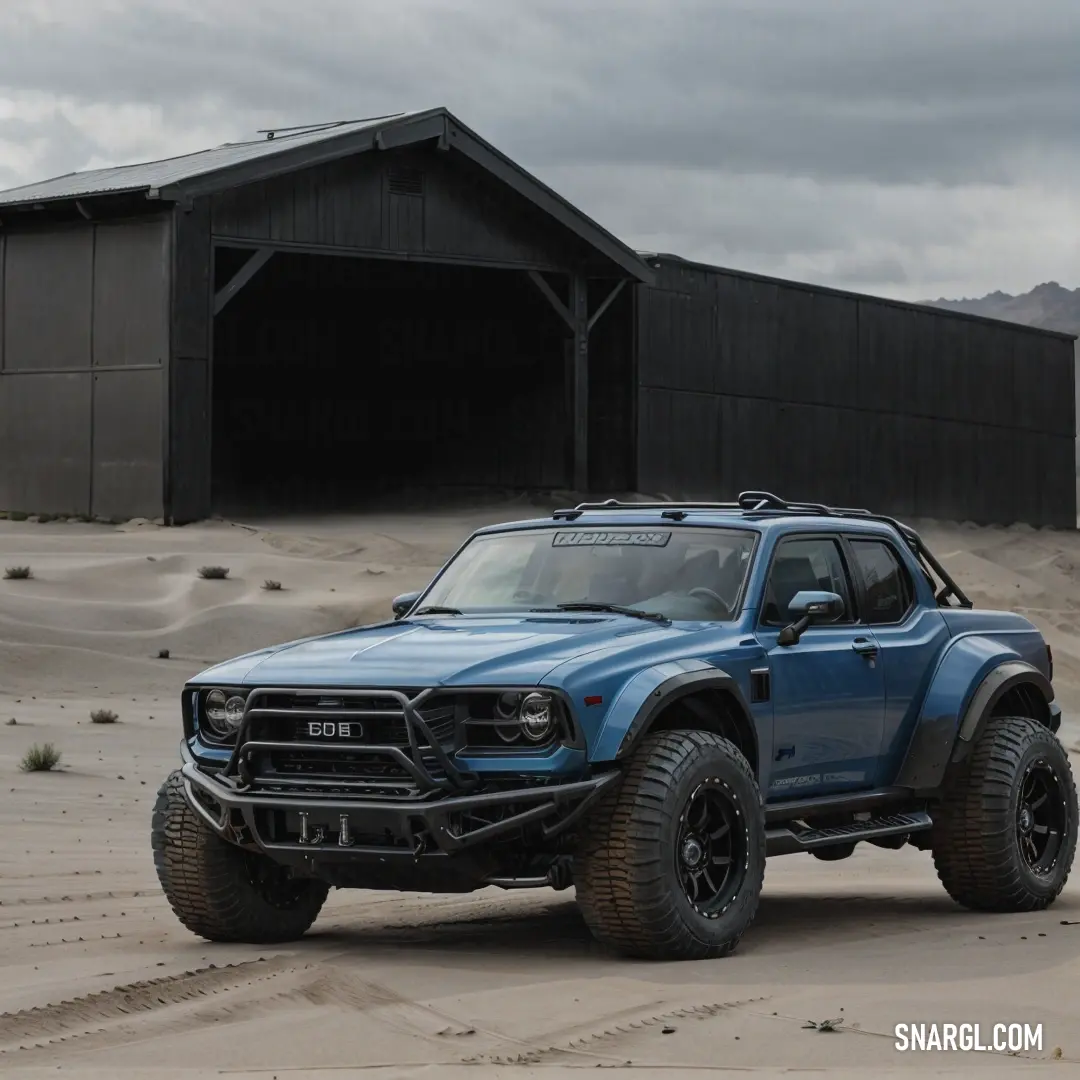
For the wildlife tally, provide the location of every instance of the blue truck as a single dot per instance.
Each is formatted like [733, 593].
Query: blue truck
[643, 701]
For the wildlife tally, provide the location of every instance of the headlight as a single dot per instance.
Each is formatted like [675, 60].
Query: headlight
[507, 724]
[533, 717]
[223, 710]
[215, 707]
[537, 717]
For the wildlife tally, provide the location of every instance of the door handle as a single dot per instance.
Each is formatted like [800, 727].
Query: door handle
[865, 647]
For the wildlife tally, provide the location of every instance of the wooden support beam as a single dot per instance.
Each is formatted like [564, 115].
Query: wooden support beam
[541, 283]
[608, 301]
[241, 278]
[576, 317]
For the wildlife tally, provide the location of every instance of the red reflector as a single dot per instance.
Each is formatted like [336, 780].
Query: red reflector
[594, 699]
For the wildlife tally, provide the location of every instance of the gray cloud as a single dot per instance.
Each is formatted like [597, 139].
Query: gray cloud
[59, 141]
[869, 140]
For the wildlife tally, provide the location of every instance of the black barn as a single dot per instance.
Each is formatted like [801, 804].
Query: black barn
[324, 314]
[859, 400]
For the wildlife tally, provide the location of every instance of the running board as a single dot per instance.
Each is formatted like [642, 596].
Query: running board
[787, 840]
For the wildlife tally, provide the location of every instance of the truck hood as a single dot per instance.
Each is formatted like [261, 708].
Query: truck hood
[458, 650]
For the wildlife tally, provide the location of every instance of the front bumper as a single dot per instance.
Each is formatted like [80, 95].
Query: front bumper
[309, 829]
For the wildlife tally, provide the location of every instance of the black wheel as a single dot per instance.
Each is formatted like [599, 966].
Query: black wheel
[1005, 835]
[222, 892]
[670, 865]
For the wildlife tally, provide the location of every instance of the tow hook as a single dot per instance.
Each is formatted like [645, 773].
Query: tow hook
[310, 835]
[344, 838]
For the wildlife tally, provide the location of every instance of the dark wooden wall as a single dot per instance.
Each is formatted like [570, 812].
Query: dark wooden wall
[747, 383]
[84, 343]
[403, 202]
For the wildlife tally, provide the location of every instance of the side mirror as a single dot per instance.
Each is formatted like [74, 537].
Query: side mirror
[810, 606]
[820, 606]
[402, 603]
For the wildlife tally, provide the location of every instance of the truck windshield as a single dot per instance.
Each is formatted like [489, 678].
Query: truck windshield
[681, 572]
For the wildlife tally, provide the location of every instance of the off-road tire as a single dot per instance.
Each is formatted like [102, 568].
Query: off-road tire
[210, 884]
[627, 869]
[975, 841]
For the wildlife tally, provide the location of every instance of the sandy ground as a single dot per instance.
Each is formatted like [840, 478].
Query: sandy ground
[99, 980]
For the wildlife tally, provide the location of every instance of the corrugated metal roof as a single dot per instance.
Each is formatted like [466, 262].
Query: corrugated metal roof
[158, 174]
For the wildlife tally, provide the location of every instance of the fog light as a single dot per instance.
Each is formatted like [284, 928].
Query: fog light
[234, 711]
[537, 717]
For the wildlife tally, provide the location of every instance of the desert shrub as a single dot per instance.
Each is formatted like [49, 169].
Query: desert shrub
[213, 573]
[163, 654]
[103, 716]
[18, 573]
[272, 586]
[40, 758]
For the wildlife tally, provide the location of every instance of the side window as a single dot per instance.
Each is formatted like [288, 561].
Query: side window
[813, 564]
[889, 591]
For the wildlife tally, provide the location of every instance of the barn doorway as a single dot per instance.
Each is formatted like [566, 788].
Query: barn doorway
[336, 380]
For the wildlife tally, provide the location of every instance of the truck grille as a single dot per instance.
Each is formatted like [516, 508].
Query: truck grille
[345, 742]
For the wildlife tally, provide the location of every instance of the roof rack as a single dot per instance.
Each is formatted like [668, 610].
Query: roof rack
[757, 504]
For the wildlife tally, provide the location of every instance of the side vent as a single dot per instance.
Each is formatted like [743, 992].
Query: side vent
[405, 181]
[759, 685]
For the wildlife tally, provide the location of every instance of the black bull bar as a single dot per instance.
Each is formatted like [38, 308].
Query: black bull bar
[416, 758]
[410, 828]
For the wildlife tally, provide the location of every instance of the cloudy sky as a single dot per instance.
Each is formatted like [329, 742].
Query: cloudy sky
[911, 148]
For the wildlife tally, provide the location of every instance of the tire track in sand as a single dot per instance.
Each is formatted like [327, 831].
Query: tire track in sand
[72, 898]
[63, 1021]
[191, 1001]
[602, 1042]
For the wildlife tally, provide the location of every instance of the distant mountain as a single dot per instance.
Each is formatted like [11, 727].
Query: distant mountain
[1049, 306]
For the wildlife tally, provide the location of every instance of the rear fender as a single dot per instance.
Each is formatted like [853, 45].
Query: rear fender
[649, 692]
[973, 675]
